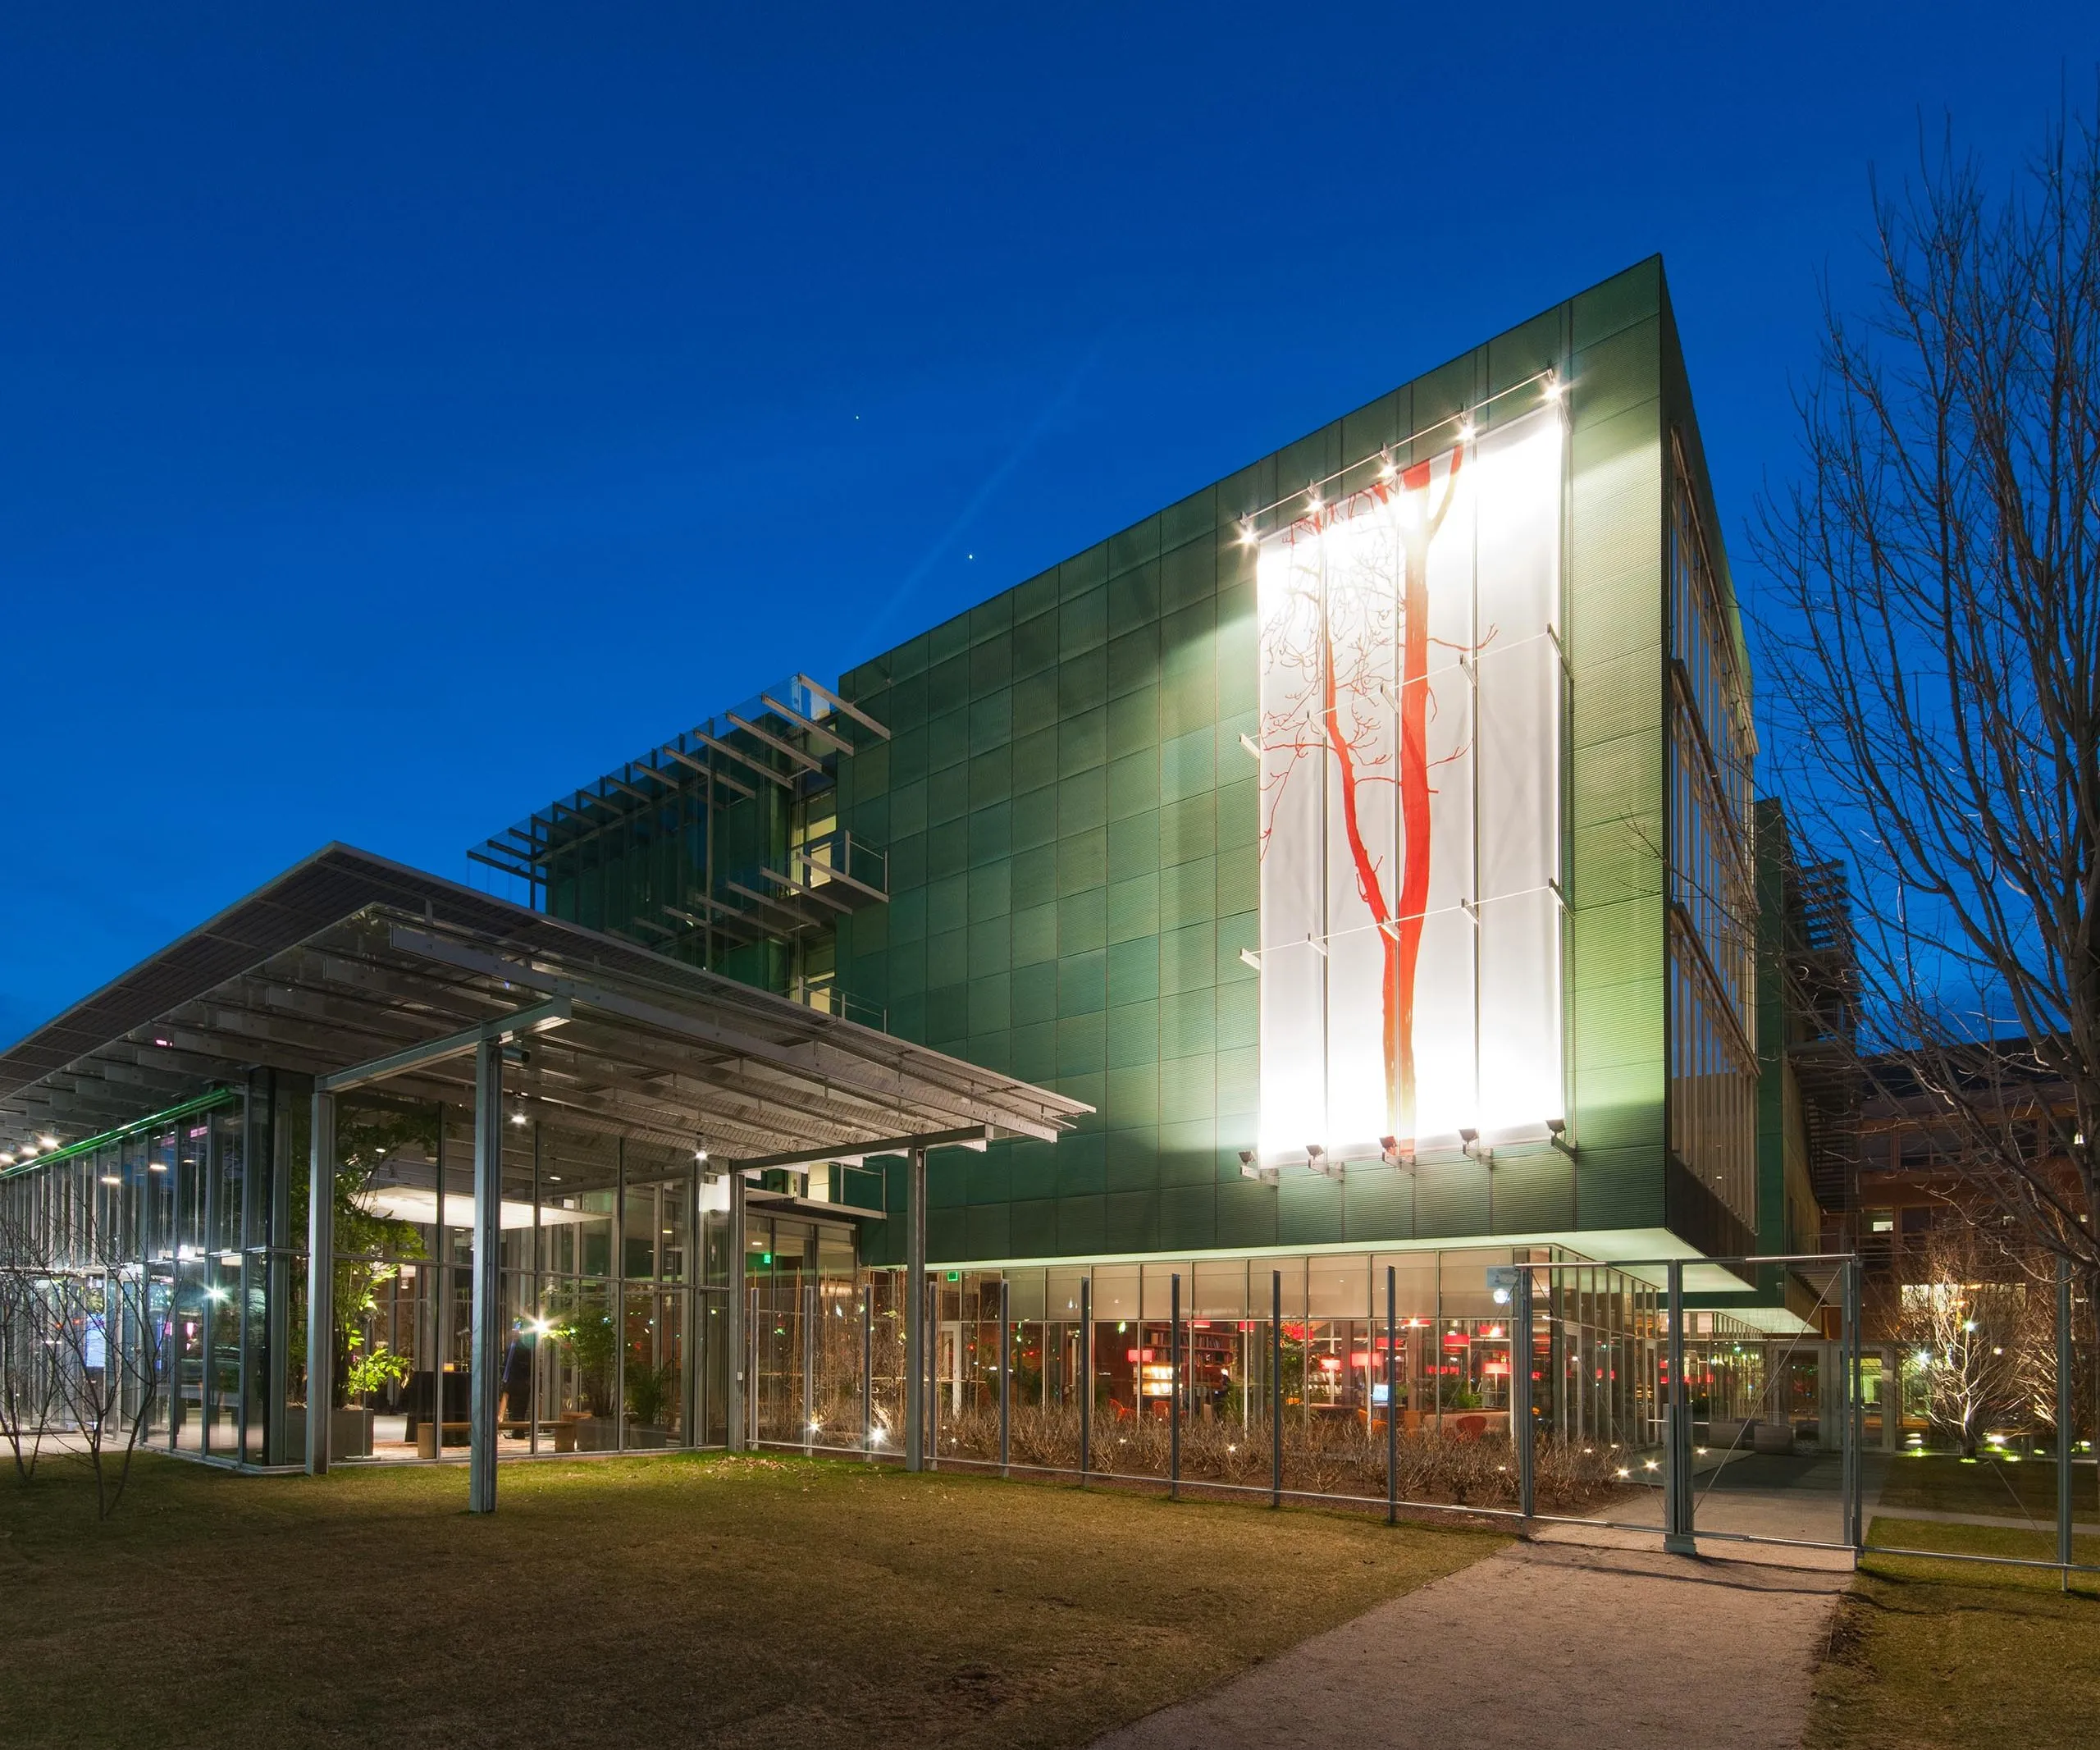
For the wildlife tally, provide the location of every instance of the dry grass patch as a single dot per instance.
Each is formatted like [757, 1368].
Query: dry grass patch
[1926, 1655]
[743, 1602]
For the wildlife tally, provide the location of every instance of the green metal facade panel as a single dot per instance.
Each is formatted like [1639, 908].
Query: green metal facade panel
[1071, 824]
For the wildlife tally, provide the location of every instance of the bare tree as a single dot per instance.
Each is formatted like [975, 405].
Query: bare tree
[29, 1385]
[110, 1327]
[90, 1329]
[1931, 644]
[1966, 1311]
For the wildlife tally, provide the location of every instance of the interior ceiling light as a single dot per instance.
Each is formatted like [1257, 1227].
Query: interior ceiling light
[49, 1142]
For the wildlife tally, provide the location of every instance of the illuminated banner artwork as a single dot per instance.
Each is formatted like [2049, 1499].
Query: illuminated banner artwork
[1410, 746]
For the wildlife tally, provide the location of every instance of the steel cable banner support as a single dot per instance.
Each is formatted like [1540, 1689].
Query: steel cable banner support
[1086, 1376]
[1174, 1386]
[1678, 1539]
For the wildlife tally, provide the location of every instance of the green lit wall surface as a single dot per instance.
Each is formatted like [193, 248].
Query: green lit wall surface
[1071, 825]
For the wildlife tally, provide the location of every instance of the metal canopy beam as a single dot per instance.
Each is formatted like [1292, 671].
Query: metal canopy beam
[801, 759]
[536, 1019]
[809, 726]
[803, 1059]
[784, 779]
[705, 770]
[971, 1136]
[853, 710]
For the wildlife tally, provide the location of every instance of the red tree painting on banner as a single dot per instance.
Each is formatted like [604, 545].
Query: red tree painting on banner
[1350, 644]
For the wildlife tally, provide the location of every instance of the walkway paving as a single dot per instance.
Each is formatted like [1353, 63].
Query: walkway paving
[1588, 1634]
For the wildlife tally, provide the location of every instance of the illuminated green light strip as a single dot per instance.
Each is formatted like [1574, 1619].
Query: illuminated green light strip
[203, 1103]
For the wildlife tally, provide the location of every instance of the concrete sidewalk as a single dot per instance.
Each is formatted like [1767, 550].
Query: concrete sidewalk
[1589, 1634]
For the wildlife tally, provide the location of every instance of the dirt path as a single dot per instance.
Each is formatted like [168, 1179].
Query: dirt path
[1587, 1635]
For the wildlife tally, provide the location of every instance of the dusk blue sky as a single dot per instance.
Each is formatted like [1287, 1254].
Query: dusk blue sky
[407, 414]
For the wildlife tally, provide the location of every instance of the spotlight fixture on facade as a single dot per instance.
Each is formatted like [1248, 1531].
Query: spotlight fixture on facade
[1387, 467]
[1251, 1168]
[1248, 537]
[1318, 1159]
[517, 1117]
[1470, 1145]
[1250, 959]
[1553, 388]
[1391, 1152]
[1466, 432]
[1557, 1131]
[49, 1142]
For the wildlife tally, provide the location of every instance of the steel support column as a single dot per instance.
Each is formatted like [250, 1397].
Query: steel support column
[2066, 1414]
[1852, 1462]
[915, 1311]
[1523, 1427]
[1677, 1433]
[487, 1362]
[867, 1365]
[811, 1309]
[738, 1293]
[1086, 1375]
[1006, 1377]
[320, 1281]
[277, 1349]
[1392, 1396]
[1174, 1382]
[1275, 1388]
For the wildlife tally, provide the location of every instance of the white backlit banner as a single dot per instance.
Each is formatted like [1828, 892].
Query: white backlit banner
[1410, 744]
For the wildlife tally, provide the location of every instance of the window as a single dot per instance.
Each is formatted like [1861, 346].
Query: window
[1712, 908]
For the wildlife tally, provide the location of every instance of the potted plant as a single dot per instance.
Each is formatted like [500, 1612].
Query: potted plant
[589, 1339]
[365, 1139]
[349, 1428]
[651, 1392]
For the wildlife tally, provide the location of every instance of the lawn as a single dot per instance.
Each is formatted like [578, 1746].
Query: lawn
[1950, 1654]
[2007, 1485]
[743, 1602]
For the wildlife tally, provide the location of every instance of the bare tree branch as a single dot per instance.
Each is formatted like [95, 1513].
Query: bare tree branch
[1931, 643]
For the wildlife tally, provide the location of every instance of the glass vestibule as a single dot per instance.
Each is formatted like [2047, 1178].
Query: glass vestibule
[608, 1303]
[1596, 1347]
